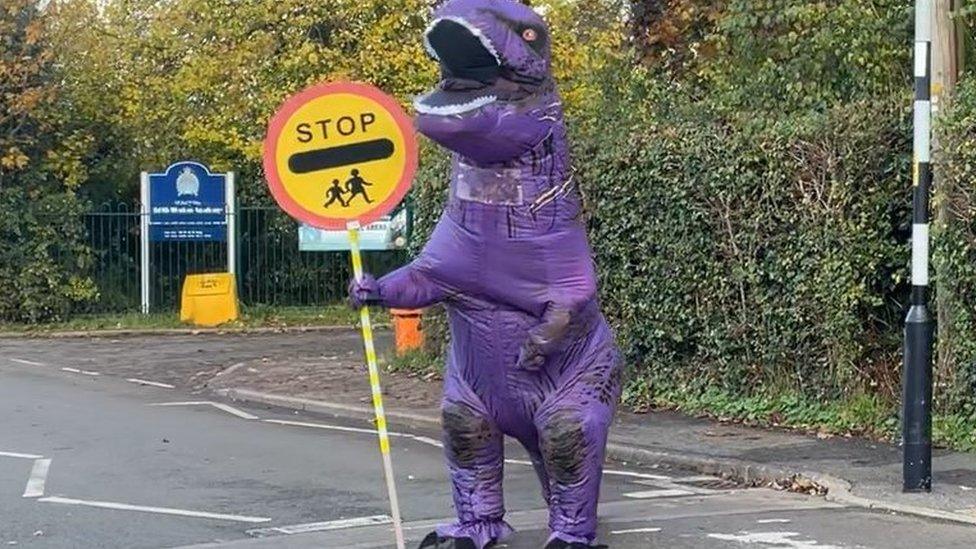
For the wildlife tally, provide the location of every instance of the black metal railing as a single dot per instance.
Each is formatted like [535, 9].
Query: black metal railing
[270, 268]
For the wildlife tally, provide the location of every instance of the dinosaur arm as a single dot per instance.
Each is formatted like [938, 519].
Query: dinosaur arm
[410, 287]
[560, 321]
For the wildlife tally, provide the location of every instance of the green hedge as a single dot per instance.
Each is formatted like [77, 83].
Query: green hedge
[754, 259]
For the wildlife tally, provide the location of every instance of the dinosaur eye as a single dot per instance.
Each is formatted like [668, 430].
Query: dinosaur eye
[530, 35]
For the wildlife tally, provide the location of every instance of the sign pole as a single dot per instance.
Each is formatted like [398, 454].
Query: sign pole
[374, 380]
[231, 209]
[144, 244]
[919, 327]
[342, 155]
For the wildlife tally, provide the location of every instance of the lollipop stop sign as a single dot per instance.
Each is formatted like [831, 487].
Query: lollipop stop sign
[339, 156]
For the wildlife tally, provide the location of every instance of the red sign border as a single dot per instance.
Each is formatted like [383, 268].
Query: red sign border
[295, 102]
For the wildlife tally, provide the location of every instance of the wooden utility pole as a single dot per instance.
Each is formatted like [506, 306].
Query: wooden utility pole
[947, 57]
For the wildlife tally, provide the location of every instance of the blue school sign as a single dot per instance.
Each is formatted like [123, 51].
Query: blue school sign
[188, 203]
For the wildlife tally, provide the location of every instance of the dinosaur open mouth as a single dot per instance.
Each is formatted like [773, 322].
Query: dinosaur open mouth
[470, 66]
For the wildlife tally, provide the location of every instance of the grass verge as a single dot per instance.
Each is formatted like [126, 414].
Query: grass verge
[419, 363]
[251, 317]
[861, 415]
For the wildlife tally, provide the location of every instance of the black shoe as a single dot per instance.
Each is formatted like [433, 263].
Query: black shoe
[560, 544]
[433, 541]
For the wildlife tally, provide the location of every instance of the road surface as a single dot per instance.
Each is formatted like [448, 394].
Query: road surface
[97, 461]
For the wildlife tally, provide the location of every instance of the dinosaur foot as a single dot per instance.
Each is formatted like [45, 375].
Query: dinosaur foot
[435, 541]
[560, 544]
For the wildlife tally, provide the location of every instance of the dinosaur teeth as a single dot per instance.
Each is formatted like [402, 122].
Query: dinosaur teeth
[447, 110]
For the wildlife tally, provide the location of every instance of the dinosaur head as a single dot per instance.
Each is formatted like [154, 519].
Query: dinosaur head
[495, 73]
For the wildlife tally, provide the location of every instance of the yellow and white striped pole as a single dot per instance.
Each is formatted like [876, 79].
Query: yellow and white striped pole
[374, 381]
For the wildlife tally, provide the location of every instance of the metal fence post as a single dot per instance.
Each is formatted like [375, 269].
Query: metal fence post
[144, 235]
[231, 210]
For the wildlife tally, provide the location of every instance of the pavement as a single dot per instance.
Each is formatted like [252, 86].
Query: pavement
[135, 425]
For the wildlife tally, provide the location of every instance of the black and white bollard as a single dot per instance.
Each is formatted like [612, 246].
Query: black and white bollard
[919, 327]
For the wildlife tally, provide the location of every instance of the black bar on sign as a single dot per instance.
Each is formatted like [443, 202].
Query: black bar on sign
[343, 155]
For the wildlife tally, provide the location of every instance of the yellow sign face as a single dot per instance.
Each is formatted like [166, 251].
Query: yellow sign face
[340, 153]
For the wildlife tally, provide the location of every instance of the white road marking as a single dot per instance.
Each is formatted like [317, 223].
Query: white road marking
[427, 440]
[321, 526]
[231, 369]
[321, 426]
[27, 362]
[636, 531]
[38, 477]
[653, 494]
[697, 478]
[418, 438]
[777, 539]
[234, 411]
[773, 521]
[217, 405]
[82, 372]
[19, 456]
[634, 475]
[157, 510]
[150, 383]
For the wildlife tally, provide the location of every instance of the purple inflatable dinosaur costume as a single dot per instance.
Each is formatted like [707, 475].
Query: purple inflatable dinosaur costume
[531, 355]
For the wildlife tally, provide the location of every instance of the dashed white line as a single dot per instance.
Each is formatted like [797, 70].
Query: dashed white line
[82, 372]
[223, 407]
[157, 510]
[698, 478]
[636, 531]
[20, 456]
[27, 362]
[150, 383]
[321, 526]
[653, 494]
[38, 477]
[418, 438]
[231, 369]
[426, 440]
[633, 474]
[773, 521]
[322, 426]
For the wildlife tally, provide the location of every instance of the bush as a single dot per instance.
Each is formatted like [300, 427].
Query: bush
[954, 253]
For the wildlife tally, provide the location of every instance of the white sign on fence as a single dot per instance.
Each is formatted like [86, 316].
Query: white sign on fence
[389, 233]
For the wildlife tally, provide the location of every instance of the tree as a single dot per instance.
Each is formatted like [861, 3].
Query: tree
[24, 86]
[42, 258]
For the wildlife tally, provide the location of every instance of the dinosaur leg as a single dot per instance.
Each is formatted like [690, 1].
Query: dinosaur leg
[573, 425]
[475, 456]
